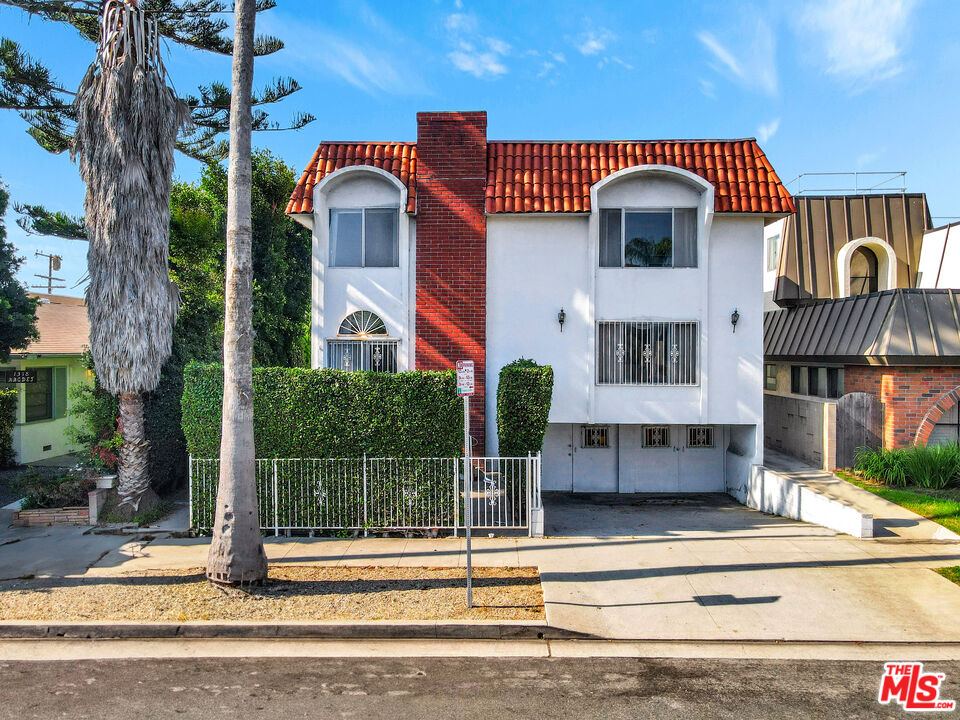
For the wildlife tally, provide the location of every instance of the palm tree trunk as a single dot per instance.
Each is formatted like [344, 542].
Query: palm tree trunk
[236, 552]
[133, 481]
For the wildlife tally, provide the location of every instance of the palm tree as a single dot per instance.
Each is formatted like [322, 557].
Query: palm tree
[128, 120]
[236, 552]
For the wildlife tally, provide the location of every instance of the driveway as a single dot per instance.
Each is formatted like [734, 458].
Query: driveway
[705, 567]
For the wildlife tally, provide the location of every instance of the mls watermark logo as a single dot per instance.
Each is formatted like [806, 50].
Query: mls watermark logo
[915, 690]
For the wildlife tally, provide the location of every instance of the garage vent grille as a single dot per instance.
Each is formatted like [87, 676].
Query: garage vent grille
[595, 436]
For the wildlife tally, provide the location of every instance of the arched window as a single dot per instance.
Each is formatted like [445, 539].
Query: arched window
[864, 271]
[362, 323]
[367, 347]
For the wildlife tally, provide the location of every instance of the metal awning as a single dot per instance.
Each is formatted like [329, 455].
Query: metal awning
[893, 327]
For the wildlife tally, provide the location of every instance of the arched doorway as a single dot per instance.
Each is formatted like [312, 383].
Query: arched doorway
[362, 343]
[864, 271]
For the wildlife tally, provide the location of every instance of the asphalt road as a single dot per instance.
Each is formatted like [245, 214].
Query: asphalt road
[442, 689]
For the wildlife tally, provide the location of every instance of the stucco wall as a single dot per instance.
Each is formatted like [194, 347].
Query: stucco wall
[337, 292]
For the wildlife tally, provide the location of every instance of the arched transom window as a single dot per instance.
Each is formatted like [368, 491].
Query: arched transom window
[864, 271]
[362, 344]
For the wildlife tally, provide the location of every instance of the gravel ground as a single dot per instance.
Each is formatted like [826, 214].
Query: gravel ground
[293, 593]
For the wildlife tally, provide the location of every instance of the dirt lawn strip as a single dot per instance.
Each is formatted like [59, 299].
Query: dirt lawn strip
[294, 592]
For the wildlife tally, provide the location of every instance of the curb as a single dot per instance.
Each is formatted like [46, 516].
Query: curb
[287, 631]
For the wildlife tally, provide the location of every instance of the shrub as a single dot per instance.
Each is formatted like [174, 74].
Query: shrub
[167, 451]
[93, 426]
[330, 413]
[523, 406]
[39, 491]
[886, 466]
[934, 467]
[8, 418]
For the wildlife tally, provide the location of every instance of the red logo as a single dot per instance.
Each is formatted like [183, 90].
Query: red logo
[915, 690]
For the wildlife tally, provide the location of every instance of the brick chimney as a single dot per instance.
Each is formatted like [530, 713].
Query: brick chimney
[451, 251]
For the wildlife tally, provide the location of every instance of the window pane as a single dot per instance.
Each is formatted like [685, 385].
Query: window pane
[773, 252]
[795, 380]
[344, 355]
[647, 353]
[345, 234]
[60, 392]
[380, 356]
[648, 239]
[382, 247]
[813, 381]
[685, 237]
[833, 382]
[38, 396]
[609, 238]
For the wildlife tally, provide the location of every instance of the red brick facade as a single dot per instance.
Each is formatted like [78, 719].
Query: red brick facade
[914, 398]
[451, 254]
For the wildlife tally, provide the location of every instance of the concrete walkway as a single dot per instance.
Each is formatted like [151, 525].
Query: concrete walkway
[889, 519]
[688, 569]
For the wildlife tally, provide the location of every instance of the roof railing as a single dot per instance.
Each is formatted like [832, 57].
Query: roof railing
[857, 183]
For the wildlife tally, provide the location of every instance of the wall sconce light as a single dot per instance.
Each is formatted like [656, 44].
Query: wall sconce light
[734, 318]
[561, 318]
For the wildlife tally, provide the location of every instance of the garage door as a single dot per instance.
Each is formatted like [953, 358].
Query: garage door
[671, 458]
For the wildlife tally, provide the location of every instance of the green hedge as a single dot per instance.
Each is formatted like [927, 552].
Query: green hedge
[8, 418]
[523, 405]
[330, 413]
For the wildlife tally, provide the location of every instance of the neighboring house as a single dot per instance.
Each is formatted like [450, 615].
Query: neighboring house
[630, 267]
[940, 258]
[846, 273]
[43, 411]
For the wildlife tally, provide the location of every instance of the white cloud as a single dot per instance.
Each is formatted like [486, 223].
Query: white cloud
[594, 41]
[754, 66]
[867, 158]
[482, 57]
[858, 40]
[623, 63]
[366, 65]
[767, 130]
[706, 87]
[545, 69]
[558, 57]
[479, 63]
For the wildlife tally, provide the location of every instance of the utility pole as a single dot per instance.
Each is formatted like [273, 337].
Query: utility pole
[53, 265]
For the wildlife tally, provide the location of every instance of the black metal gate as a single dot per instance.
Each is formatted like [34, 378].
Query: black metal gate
[859, 424]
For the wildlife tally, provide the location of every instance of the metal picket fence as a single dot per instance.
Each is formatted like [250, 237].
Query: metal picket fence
[379, 493]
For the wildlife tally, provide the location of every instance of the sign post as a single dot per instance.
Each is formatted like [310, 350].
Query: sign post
[465, 388]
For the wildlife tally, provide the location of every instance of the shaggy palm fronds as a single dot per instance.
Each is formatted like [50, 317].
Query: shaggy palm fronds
[882, 465]
[934, 467]
[128, 120]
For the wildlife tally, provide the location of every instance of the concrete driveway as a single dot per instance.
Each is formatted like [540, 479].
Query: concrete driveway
[705, 567]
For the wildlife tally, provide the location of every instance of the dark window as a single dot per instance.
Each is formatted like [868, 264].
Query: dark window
[864, 271]
[648, 238]
[833, 383]
[770, 373]
[700, 436]
[656, 436]
[364, 238]
[795, 372]
[813, 381]
[594, 436]
[648, 353]
[38, 396]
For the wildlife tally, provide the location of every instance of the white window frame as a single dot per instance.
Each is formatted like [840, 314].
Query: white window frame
[673, 236]
[363, 236]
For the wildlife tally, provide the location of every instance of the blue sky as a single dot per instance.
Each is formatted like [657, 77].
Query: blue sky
[868, 85]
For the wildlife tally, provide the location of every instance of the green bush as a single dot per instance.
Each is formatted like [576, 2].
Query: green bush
[39, 491]
[93, 426]
[8, 418]
[523, 405]
[934, 467]
[167, 451]
[330, 413]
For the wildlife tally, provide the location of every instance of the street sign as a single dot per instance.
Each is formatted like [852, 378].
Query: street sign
[465, 379]
[19, 376]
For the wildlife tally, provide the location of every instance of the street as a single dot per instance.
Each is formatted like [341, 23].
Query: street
[449, 688]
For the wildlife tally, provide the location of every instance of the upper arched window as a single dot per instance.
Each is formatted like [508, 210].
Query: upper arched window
[864, 271]
[362, 323]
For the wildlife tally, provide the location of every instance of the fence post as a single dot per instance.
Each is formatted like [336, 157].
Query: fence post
[276, 504]
[456, 489]
[190, 486]
[529, 483]
[365, 495]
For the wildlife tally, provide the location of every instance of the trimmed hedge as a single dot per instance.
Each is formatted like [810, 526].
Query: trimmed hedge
[300, 413]
[8, 418]
[523, 405]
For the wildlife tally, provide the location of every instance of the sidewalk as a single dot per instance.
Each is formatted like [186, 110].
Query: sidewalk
[889, 519]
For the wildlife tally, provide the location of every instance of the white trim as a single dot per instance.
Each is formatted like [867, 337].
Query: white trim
[336, 176]
[886, 264]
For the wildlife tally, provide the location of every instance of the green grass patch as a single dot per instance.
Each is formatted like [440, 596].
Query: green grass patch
[941, 506]
[950, 573]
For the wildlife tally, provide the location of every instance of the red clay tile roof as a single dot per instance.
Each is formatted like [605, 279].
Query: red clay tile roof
[63, 325]
[556, 176]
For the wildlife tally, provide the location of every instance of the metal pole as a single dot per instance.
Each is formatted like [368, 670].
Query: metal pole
[276, 504]
[365, 525]
[467, 493]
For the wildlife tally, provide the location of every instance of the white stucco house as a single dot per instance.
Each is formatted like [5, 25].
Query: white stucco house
[634, 269]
